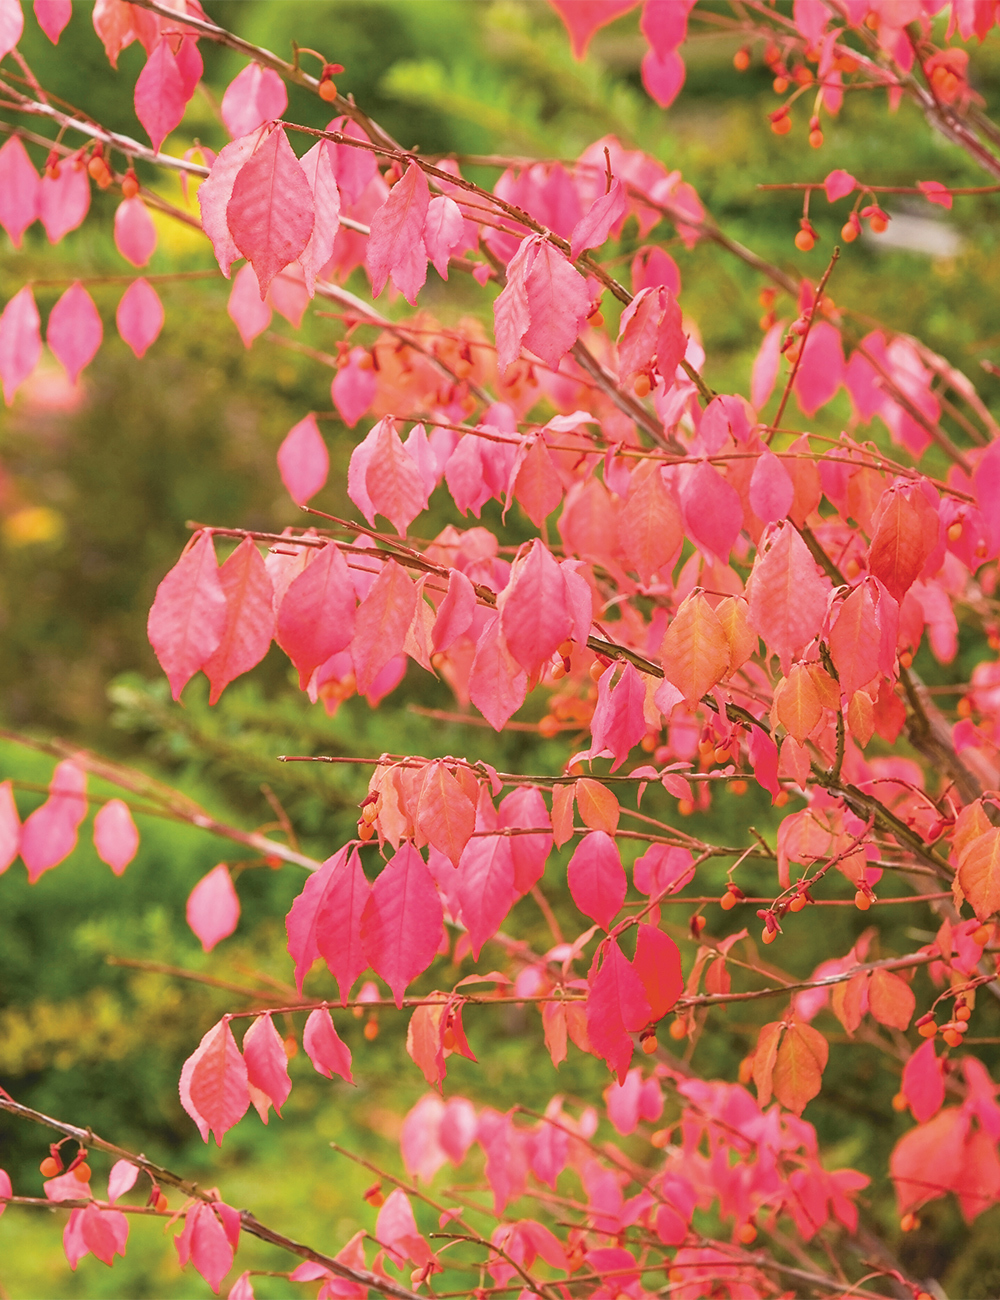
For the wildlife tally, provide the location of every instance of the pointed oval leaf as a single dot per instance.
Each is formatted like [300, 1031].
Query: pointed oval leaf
[316, 617]
[74, 331]
[213, 907]
[188, 615]
[218, 1081]
[139, 316]
[267, 1061]
[325, 1048]
[270, 211]
[116, 838]
[402, 921]
[596, 878]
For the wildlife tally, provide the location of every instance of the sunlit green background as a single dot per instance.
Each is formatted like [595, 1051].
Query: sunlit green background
[94, 503]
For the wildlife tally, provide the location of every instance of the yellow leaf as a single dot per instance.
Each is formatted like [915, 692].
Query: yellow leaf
[798, 1070]
[732, 614]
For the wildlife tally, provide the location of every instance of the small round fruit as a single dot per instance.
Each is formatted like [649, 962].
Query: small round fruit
[130, 185]
[660, 1138]
[698, 924]
[641, 385]
[728, 901]
[327, 91]
[781, 125]
[816, 139]
[685, 807]
[928, 1030]
[952, 1037]
[963, 1013]
[747, 1234]
[678, 1029]
[878, 224]
[768, 936]
[848, 232]
[954, 531]
[780, 85]
[981, 935]
[908, 1222]
[805, 242]
[50, 1167]
[371, 1029]
[649, 1044]
[861, 901]
[741, 60]
[899, 1102]
[82, 1173]
[797, 903]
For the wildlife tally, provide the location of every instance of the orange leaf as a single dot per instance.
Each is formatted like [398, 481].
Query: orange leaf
[797, 704]
[650, 530]
[764, 1058]
[861, 717]
[424, 1039]
[445, 813]
[554, 1025]
[562, 814]
[732, 614]
[972, 822]
[798, 1070]
[891, 999]
[846, 1001]
[979, 873]
[598, 806]
[695, 650]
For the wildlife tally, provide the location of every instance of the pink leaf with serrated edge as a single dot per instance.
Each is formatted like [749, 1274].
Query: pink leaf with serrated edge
[337, 925]
[619, 720]
[584, 17]
[444, 231]
[52, 16]
[19, 188]
[771, 489]
[664, 23]
[497, 682]
[214, 195]
[821, 369]
[445, 815]
[486, 887]
[855, 640]
[393, 481]
[64, 200]
[139, 316]
[74, 331]
[511, 309]
[354, 168]
[596, 878]
[838, 185]
[135, 234]
[249, 626]
[382, 621]
[159, 93]
[658, 965]
[402, 921]
[267, 1062]
[316, 617]
[617, 1007]
[923, 1082]
[254, 96]
[248, 312]
[637, 335]
[787, 596]
[10, 826]
[218, 1081]
[535, 617]
[318, 169]
[121, 1179]
[558, 304]
[49, 833]
[396, 1230]
[396, 245]
[20, 341]
[270, 211]
[190, 66]
[525, 808]
[595, 226]
[324, 1047]
[188, 616]
[712, 510]
[213, 907]
[538, 487]
[456, 611]
[663, 76]
[303, 460]
[116, 838]
[354, 387]
[300, 923]
[204, 1242]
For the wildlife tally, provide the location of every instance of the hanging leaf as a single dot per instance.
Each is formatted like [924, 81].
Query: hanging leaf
[695, 649]
[799, 1066]
[401, 922]
[596, 878]
[270, 212]
[267, 1062]
[324, 1047]
[217, 1092]
[188, 615]
[116, 838]
[213, 907]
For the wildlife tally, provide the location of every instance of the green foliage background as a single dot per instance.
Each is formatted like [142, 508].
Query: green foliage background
[190, 434]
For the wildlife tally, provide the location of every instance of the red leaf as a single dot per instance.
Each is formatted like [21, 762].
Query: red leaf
[270, 212]
[19, 188]
[497, 683]
[104, 1233]
[159, 94]
[713, 511]
[139, 316]
[525, 808]
[663, 76]
[538, 487]
[771, 489]
[339, 909]
[617, 1007]
[445, 814]
[115, 836]
[929, 1160]
[444, 231]
[205, 1244]
[906, 532]
[135, 234]
[534, 614]
[254, 96]
[303, 460]
[121, 1179]
[353, 389]
[596, 878]
[214, 195]
[890, 999]
[317, 614]
[20, 341]
[838, 185]
[695, 650]
[650, 530]
[246, 309]
[396, 244]
[923, 1082]
[267, 1062]
[486, 887]
[217, 1082]
[249, 626]
[456, 611]
[558, 304]
[63, 200]
[798, 1068]
[584, 17]
[788, 597]
[49, 833]
[765, 366]
[821, 370]
[324, 1047]
[188, 616]
[658, 964]
[855, 641]
[619, 720]
[382, 621]
[74, 331]
[402, 921]
[213, 908]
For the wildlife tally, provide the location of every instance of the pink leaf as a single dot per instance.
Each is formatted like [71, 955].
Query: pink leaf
[935, 192]
[115, 836]
[354, 387]
[338, 920]
[214, 195]
[159, 93]
[318, 170]
[52, 16]
[787, 597]
[393, 481]
[658, 964]
[242, 1288]
[188, 616]
[383, 619]
[249, 626]
[855, 641]
[316, 616]
[267, 1062]
[49, 833]
[838, 185]
[662, 870]
[300, 923]
[771, 489]
[246, 308]
[535, 617]
[811, 18]
[619, 720]
[765, 366]
[584, 17]
[821, 370]
[254, 96]
[19, 186]
[303, 460]
[354, 168]
[20, 341]
[497, 683]
[324, 1047]
[525, 808]
[396, 245]
[270, 212]
[402, 920]
[396, 1230]
[11, 25]
[617, 1007]
[596, 878]
[595, 226]
[712, 510]
[204, 1242]
[104, 1233]
[135, 234]
[64, 200]
[456, 611]
[139, 316]
[511, 309]
[10, 826]
[663, 76]
[558, 302]
[444, 231]
[486, 887]
[288, 295]
[213, 908]
[923, 1082]
[763, 754]
[121, 1179]
[218, 1091]
[74, 331]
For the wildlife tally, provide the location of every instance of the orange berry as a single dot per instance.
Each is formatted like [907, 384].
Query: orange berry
[928, 1030]
[877, 224]
[908, 1222]
[781, 798]
[906, 659]
[162, 1204]
[952, 1037]
[797, 903]
[768, 936]
[366, 830]
[741, 60]
[548, 727]
[728, 901]
[291, 1047]
[82, 1173]
[861, 901]
[954, 531]
[899, 1102]
[327, 91]
[50, 1167]
[678, 1029]
[566, 649]
[596, 669]
[698, 924]
[747, 1234]
[371, 1029]
[737, 787]
[649, 1044]
[130, 185]
[558, 672]
[780, 85]
[816, 139]
[848, 232]
[781, 125]
[963, 1013]
[981, 935]
[641, 385]
[805, 242]
[660, 1138]
[685, 807]
[369, 812]
[596, 319]
[374, 1195]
